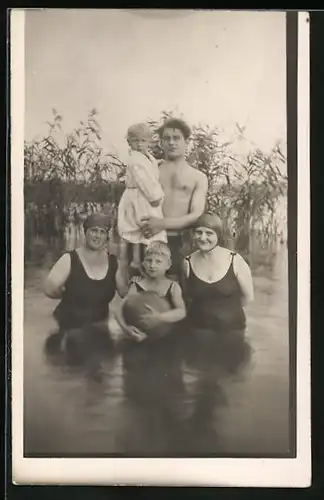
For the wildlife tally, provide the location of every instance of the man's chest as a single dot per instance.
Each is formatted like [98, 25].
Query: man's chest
[179, 182]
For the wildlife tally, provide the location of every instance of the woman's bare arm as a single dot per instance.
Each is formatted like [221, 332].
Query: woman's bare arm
[55, 281]
[244, 276]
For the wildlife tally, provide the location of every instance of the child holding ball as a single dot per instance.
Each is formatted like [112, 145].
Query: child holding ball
[164, 309]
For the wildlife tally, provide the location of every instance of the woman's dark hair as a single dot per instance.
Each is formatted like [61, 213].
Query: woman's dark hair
[176, 123]
[212, 221]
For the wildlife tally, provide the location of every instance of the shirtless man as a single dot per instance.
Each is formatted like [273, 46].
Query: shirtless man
[185, 190]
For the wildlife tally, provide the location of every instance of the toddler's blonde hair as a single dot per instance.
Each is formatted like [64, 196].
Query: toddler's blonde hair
[139, 130]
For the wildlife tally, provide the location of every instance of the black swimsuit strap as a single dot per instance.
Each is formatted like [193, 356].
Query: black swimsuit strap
[168, 293]
[73, 255]
[75, 261]
[188, 259]
[139, 288]
[232, 259]
[191, 271]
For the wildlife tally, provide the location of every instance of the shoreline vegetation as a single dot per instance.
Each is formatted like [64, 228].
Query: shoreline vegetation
[67, 175]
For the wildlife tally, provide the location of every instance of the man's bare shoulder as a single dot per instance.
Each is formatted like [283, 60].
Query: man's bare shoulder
[190, 172]
[197, 175]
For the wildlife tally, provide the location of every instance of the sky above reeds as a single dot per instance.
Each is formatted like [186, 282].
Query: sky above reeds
[211, 67]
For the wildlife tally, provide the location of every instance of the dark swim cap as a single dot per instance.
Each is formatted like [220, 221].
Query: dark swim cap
[210, 220]
[96, 220]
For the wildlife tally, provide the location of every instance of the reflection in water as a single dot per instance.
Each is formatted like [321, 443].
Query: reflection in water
[151, 400]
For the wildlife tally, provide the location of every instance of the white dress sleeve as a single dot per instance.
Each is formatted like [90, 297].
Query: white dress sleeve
[146, 179]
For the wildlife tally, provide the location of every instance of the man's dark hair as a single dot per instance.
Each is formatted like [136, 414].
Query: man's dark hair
[177, 124]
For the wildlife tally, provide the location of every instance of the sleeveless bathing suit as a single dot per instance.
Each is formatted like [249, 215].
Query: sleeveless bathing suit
[85, 300]
[152, 350]
[216, 305]
[167, 295]
[215, 323]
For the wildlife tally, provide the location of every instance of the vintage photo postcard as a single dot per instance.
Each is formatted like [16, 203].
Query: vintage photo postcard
[160, 252]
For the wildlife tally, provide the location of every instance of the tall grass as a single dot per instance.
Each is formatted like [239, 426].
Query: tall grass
[68, 175]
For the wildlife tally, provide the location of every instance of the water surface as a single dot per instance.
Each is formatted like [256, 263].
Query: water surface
[67, 412]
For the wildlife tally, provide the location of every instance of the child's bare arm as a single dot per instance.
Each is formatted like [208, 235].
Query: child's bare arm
[179, 311]
[122, 279]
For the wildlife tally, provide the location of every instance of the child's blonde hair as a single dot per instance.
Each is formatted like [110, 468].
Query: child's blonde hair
[139, 130]
[158, 248]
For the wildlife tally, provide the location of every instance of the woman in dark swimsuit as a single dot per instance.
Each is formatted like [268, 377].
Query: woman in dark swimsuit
[218, 286]
[85, 280]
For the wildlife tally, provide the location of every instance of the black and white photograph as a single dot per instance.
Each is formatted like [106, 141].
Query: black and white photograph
[155, 309]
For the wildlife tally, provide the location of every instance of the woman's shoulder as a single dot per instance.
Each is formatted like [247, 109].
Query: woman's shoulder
[62, 266]
[66, 258]
[233, 253]
[191, 255]
[186, 263]
[239, 262]
[228, 252]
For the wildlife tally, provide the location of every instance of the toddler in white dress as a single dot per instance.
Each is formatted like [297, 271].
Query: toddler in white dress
[143, 195]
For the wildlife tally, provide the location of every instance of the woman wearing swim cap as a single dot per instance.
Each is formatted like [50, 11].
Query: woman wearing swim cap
[85, 280]
[218, 286]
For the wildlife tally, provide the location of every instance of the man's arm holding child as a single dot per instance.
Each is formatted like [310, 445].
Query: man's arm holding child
[197, 206]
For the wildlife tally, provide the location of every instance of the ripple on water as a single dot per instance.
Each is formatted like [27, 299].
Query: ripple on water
[66, 411]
